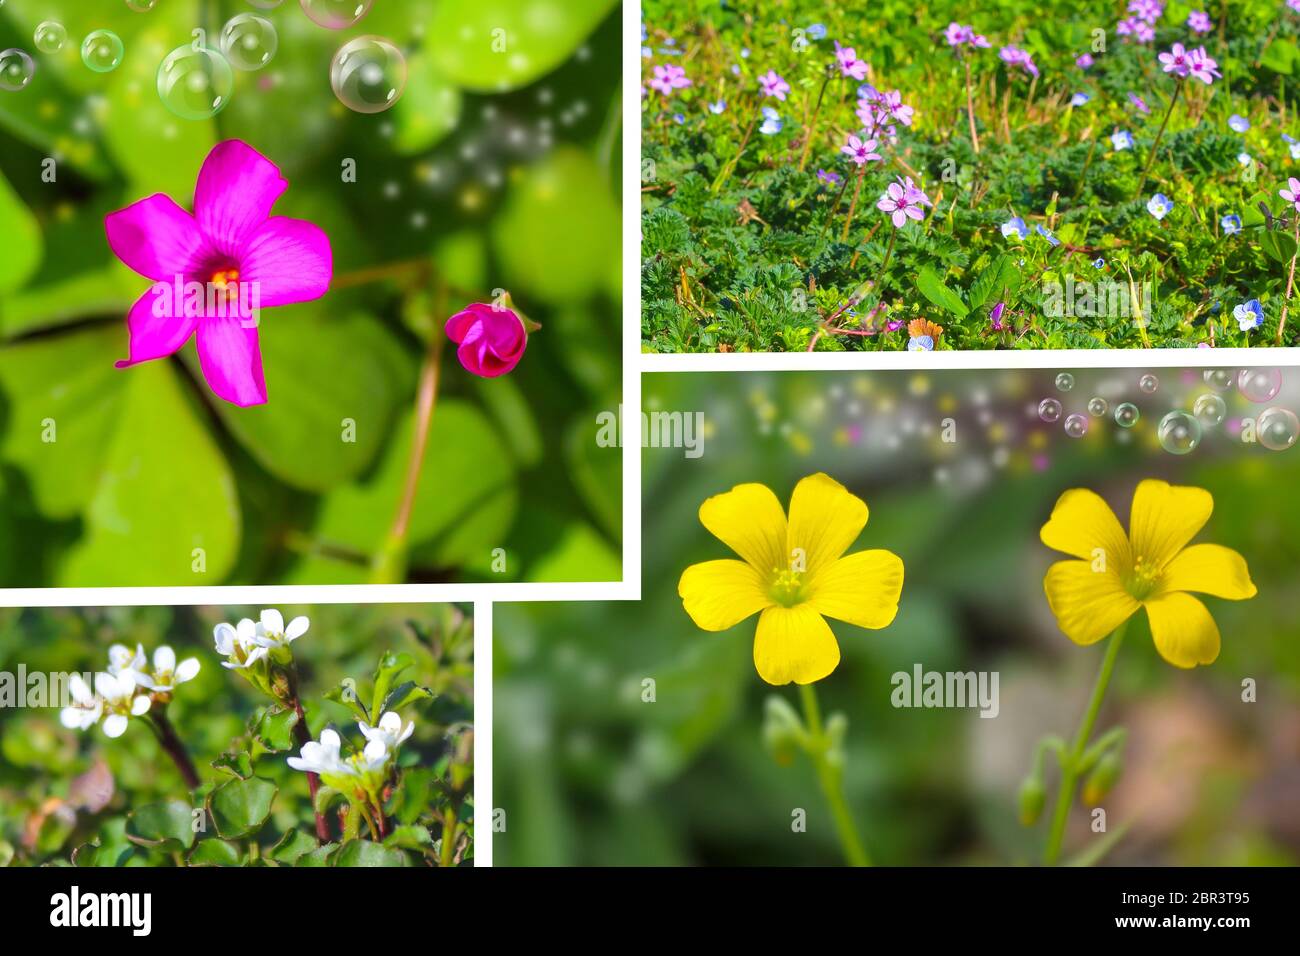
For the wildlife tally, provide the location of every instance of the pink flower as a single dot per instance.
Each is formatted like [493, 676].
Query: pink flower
[895, 108]
[958, 35]
[215, 269]
[1198, 21]
[491, 339]
[1202, 66]
[1014, 56]
[1176, 61]
[860, 150]
[1292, 195]
[668, 78]
[773, 85]
[1084, 60]
[903, 201]
[850, 65]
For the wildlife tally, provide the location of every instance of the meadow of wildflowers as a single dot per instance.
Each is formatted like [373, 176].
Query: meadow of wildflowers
[1057, 175]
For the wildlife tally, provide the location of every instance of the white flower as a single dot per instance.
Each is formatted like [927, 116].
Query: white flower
[323, 757]
[373, 758]
[122, 660]
[166, 673]
[120, 701]
[239, 644]
[390, 730]
[86, 708]
[272, 634]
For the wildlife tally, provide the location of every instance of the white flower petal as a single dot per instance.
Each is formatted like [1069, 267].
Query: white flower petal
[297, 628]
[114, 725]
[164, 659]
[273, 621]
[186, 670]
[140, 705]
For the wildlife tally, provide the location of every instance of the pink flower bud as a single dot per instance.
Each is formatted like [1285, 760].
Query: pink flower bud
[491, 339]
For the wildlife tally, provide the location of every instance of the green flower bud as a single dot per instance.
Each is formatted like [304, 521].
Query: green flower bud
[1102, 779]
[1033, 795]
[783, 732]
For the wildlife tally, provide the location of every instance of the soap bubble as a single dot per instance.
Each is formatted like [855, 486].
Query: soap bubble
[1049, 410]
[1065, 381]
[1097, 407]
[336, 14]
[368, 74]
[195, 83]
[50, 36]
[1126, 414]
[141, 6]
[1259, 384]
[1148, 383]
[1179, 433]
[1277, 428]
[16, 69]
[1210, 409]
[249, 41]
[1076, 426]
[102, 51]
[1218, 379]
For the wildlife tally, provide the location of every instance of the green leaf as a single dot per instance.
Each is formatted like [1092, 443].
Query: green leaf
[318, 857]
[294, 844]
[333, 383]
[428, 110]
[237, 763]
[932, 287]
[390, 665]
[492, 46]
[368, 853]
[162, 824]
[24, 244]
[345, 693]
[403, 694]
[214, 852]
[240, 807]
[1278, 246]
[65, 388]
[1000, 279]
[464, 502]
[409, 838]
[1280, 57]
[164, 491]
[559, 231]
[273, 728]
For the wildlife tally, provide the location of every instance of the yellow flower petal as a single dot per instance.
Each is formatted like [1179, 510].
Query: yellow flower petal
[719, 594]
[860, 588]
[1088, 604]
[794, 644]
[1164, 518]
[1209, 569]
[749, 520]
[1081, 523]
[1184, 632]
[825, 518]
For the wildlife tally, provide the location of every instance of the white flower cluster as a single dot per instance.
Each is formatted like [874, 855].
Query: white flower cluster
[126, 689]
[370, 764]
[248, 642]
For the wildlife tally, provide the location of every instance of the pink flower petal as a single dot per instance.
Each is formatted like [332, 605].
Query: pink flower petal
[152, 335]
[236, 189]
[289, 259]
[156, 238]
[899, 217]
[232, 360]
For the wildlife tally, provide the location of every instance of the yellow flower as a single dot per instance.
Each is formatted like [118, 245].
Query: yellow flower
[1152, 566]
[794, 572]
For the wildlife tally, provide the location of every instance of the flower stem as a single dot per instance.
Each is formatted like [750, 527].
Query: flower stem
[171, 742]
[812, 123]
[830, 776]
[1290, 279]
[448, 846]
[889, 251]
[303, 735]
[390, 563]
[853, 204]
[1178, 88]
[731, 164]
[1070, 762]
[970, 110]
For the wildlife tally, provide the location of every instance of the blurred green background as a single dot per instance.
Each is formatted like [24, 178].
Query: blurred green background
[589, 773]
[497, 169]
[53, 780]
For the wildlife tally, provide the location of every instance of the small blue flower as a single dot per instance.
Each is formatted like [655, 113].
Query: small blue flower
[922, 343]
[744, 53]
[1244, 159]
[1230, 223]
[817, 31]
[718, 107]
[1099, 263]
[1122, 139]
[679, 118]
[1249, 315]
[1015, 227]
[1078, 99]
[1238, 123]
[1159, 205]
[1047, 234]
[772, 123]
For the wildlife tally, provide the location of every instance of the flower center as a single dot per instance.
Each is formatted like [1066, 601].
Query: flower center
[787, 588]
[226, 282]
[1143, 579]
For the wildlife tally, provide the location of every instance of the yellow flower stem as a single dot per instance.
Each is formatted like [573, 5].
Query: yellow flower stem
[1071, 762]
[831, 779]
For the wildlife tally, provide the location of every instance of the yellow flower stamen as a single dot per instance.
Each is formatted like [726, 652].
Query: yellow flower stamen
[787, 587]
[1143, 579]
